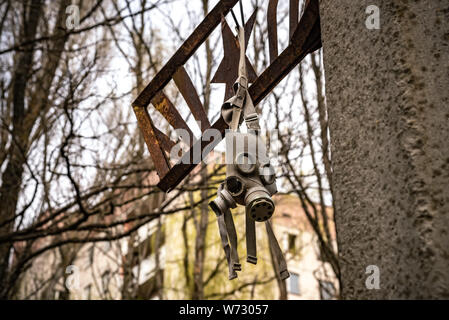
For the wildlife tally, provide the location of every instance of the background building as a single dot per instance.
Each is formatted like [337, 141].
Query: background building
[156, 262]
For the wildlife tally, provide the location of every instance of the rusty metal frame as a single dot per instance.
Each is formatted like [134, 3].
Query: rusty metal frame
[305, 37]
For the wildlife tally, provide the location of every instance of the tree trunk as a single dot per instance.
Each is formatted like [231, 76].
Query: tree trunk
[387, 94]
[200, 248]
[12, 176]
[201, 225]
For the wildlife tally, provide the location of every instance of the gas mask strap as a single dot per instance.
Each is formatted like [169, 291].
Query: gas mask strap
[279, 257]
[232, 235]
[225, 244]
[251, 246]
[250, 114]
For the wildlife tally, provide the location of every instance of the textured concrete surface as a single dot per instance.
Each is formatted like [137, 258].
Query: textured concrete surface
[387, 94]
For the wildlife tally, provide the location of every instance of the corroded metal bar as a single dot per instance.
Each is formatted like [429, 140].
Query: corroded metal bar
[186, 50]
[146, 126]
[151, 134]
[272, 24]
[305, 39]
[227, 71]
[293, 14]
[186, 164]
[165, 142]
[185, 86]
[170, 113]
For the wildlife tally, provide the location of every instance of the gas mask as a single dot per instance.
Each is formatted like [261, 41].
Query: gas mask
[250, 178]
[250, 182]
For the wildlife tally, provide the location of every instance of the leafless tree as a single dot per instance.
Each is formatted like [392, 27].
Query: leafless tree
[74, 167]
[71, 159]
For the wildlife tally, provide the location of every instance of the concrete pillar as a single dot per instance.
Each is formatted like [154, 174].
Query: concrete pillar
[387, 95]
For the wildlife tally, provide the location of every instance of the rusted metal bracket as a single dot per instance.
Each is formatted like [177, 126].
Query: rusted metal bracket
[305, 37]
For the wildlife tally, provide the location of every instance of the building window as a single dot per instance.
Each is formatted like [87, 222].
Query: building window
[294, 283]
[88, 292]
[327, 290]
[292, 243]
